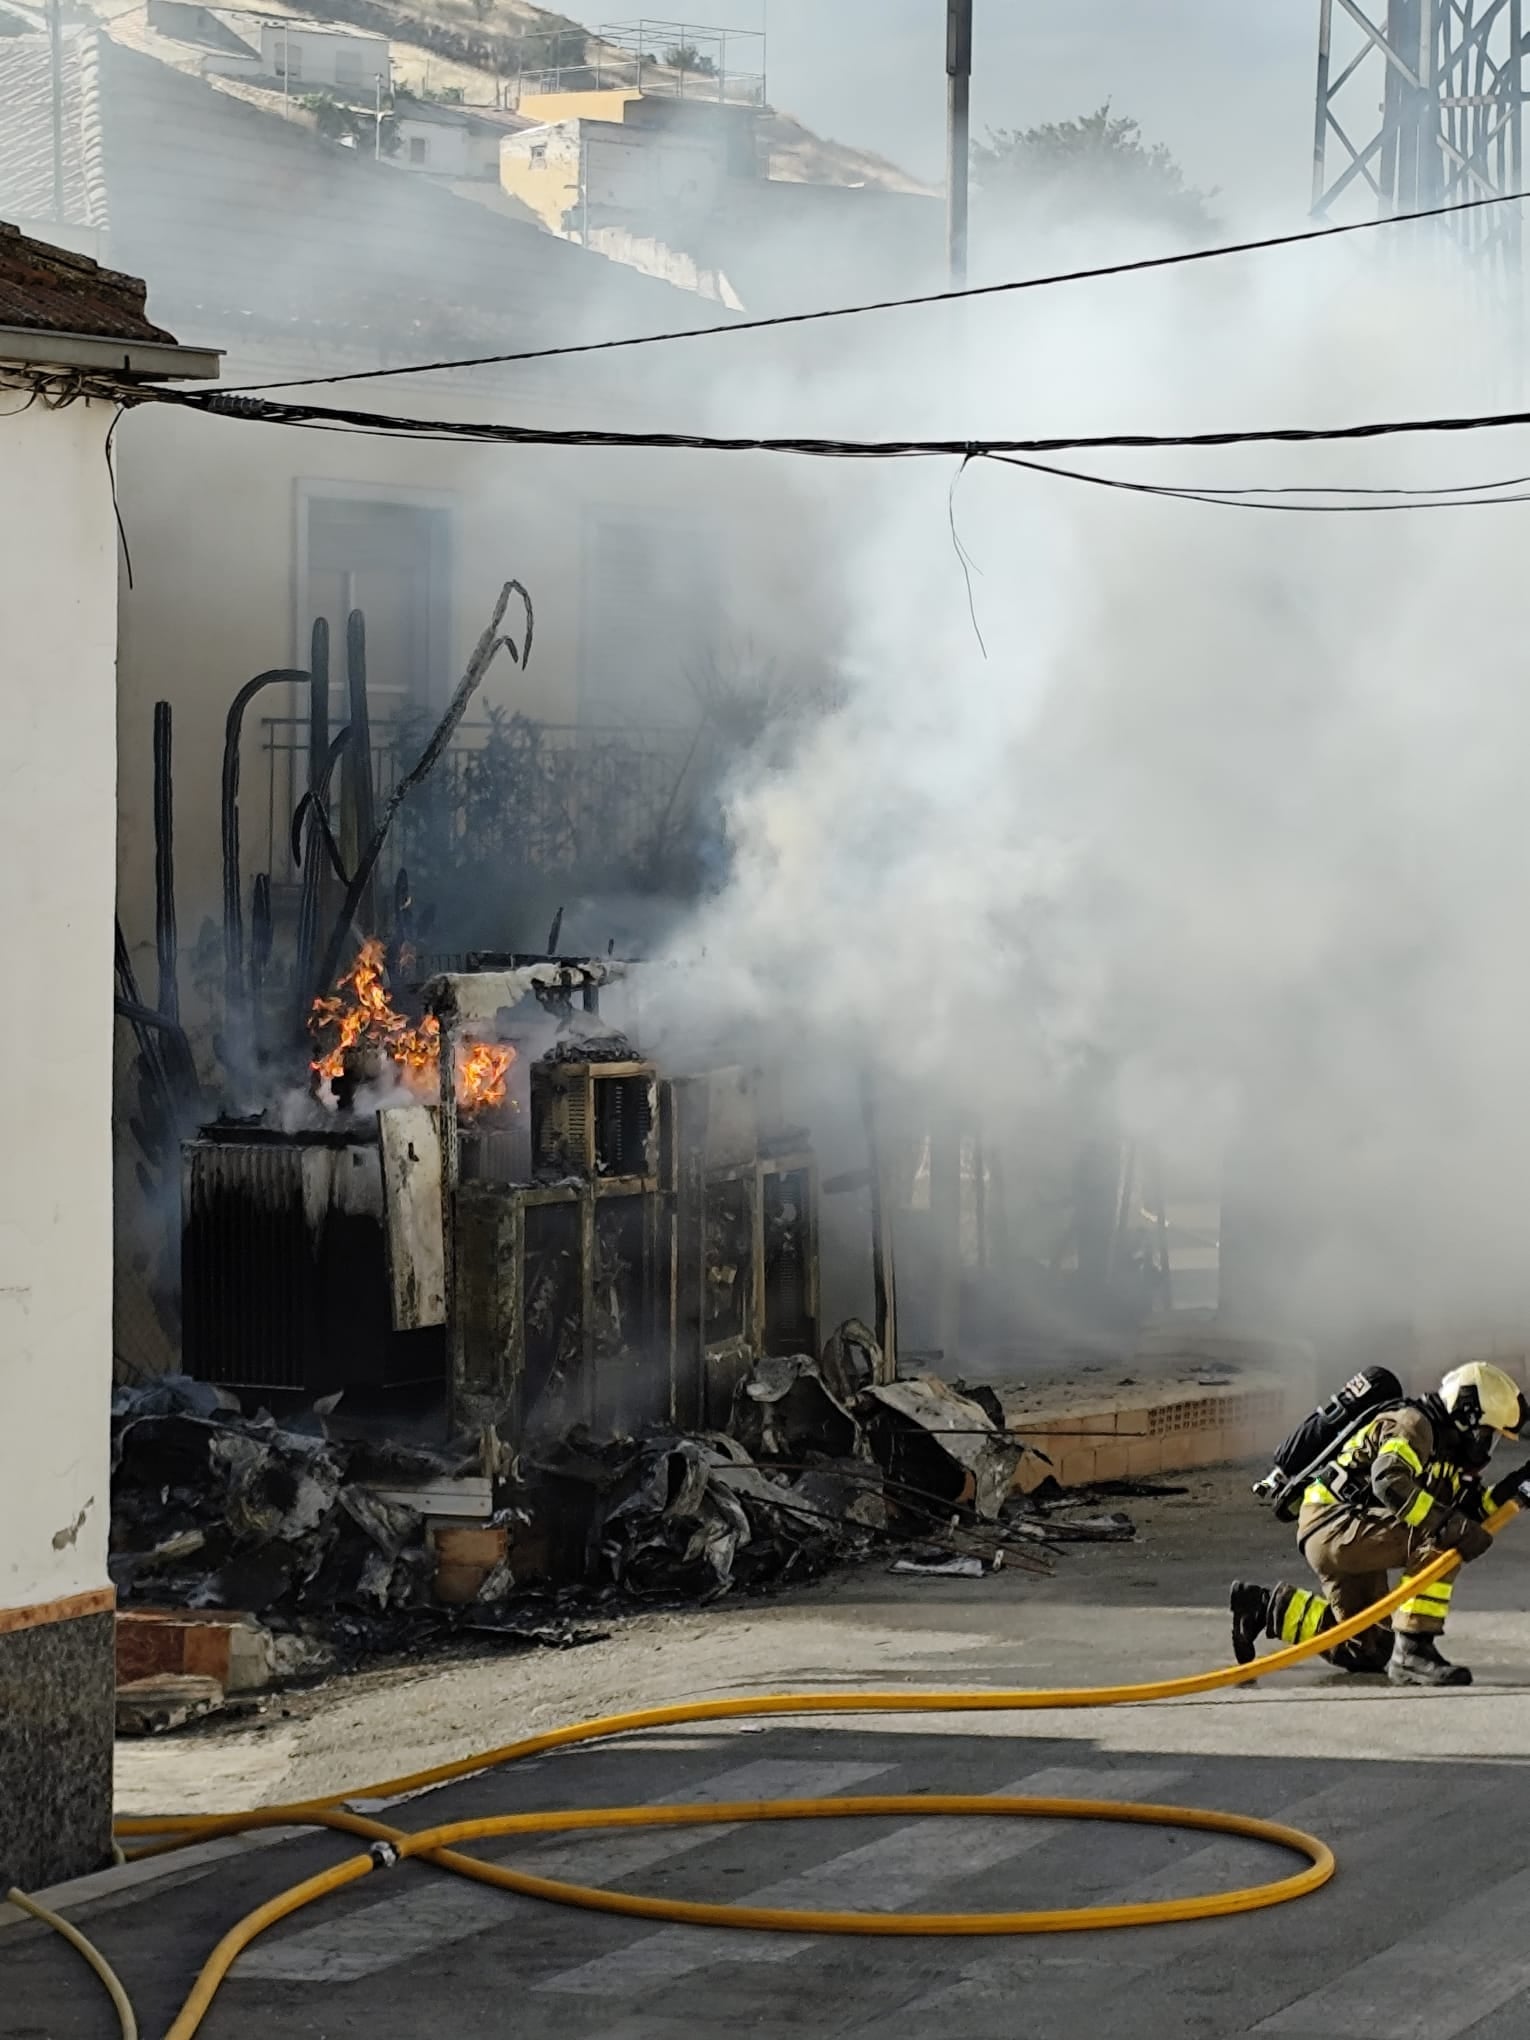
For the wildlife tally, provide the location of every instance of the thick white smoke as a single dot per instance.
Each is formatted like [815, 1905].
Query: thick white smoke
[1227, 831]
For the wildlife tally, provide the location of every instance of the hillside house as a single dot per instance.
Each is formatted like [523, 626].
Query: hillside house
[60, 315]
[449, 141]
[741, 191]
[242, 42]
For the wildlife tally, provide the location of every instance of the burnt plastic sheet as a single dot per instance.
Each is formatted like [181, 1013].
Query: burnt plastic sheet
[932, 1439]
[784, 1409]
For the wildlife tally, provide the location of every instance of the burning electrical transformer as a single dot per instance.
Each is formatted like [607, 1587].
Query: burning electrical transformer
[557, 1234]
[358, 1022]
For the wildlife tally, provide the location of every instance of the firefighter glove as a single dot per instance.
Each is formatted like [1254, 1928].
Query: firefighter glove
[1459, 1533]
[1506, 1488]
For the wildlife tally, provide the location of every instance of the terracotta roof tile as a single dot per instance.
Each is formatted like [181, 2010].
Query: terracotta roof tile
[48, 290]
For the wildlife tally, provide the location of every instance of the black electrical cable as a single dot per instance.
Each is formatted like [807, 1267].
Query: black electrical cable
[265, 410]
[1466, 496]
[934, 297]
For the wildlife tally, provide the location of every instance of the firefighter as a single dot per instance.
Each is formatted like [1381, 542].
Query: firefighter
[1403, 1487]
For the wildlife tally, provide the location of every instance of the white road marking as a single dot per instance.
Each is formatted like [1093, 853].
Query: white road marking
[884, 1875]
[1333, 1814]
[1436, 1984]
[443, 1908]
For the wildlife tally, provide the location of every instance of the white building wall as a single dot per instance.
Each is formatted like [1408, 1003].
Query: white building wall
[447, 150]
[650, 172]
[58, 599]
[353, 62]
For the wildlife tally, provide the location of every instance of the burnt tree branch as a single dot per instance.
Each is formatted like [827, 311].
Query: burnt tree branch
[483, 657]
[233, 908]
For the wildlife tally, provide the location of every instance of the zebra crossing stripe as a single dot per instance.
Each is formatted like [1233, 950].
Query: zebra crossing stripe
[1336, 1813]
[892, 1872]
[1435, 1984]
[442, 1908]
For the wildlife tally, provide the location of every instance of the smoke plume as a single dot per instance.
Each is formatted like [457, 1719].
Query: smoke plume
[1215, 833]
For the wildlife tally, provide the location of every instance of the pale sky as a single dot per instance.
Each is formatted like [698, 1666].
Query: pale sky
[1226, 84]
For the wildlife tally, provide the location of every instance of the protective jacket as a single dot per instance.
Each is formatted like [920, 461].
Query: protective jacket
[1400, 1467]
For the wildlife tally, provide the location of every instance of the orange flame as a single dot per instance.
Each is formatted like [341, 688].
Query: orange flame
[483, 1071]
[359, 1014]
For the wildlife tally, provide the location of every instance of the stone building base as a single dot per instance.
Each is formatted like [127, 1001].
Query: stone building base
[57, 1694]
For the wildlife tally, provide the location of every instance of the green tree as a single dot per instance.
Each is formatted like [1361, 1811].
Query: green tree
[353, 126]
[686, 57]
[1095, 165]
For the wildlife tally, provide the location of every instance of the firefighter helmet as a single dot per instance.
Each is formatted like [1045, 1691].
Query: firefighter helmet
[1481, 1397]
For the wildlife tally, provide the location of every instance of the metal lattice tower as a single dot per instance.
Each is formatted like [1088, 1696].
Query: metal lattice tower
[1420, 103]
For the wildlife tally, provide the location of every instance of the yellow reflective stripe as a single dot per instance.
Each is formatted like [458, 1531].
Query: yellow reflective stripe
[1401, 1449]
[1420, 1509]
[1313, 1620]
[1305, 1614]
[1436, 1592]
[1352, 1445]
[1432, 1602]
[1295, 1614]
[1319, 1496]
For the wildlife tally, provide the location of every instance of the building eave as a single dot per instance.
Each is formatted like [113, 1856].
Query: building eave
[32, 347]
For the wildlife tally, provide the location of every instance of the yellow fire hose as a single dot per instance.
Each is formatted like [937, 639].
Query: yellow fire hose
[110, 1980]
[435, 1845]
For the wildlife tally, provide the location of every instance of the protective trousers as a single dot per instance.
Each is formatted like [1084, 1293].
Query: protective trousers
[1352, 1555]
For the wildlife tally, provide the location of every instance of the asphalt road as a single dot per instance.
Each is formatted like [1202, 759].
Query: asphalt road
[1425, 1798]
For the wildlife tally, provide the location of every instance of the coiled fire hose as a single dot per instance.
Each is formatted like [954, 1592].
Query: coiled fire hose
[391, 1845]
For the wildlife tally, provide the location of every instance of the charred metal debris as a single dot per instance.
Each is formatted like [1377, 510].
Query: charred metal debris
[336, 1543]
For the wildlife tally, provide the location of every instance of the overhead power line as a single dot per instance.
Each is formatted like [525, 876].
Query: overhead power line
[1316, 498]
[1367, 500]
[315, 417]
[934, 297]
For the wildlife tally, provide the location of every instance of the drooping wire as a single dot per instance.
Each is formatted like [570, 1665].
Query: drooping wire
[969, 565]
[1463, 496]
[111, 470]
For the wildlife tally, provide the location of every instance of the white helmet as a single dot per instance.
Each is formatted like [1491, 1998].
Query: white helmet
[1481, 1397]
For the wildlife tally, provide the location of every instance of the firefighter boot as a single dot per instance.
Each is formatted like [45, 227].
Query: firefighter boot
[1250, 1618]
[1416, 1661]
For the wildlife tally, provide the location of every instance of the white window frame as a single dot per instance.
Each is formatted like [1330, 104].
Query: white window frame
[311, 489]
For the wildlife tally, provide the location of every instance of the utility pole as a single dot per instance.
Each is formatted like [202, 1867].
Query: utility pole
[958, 135]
